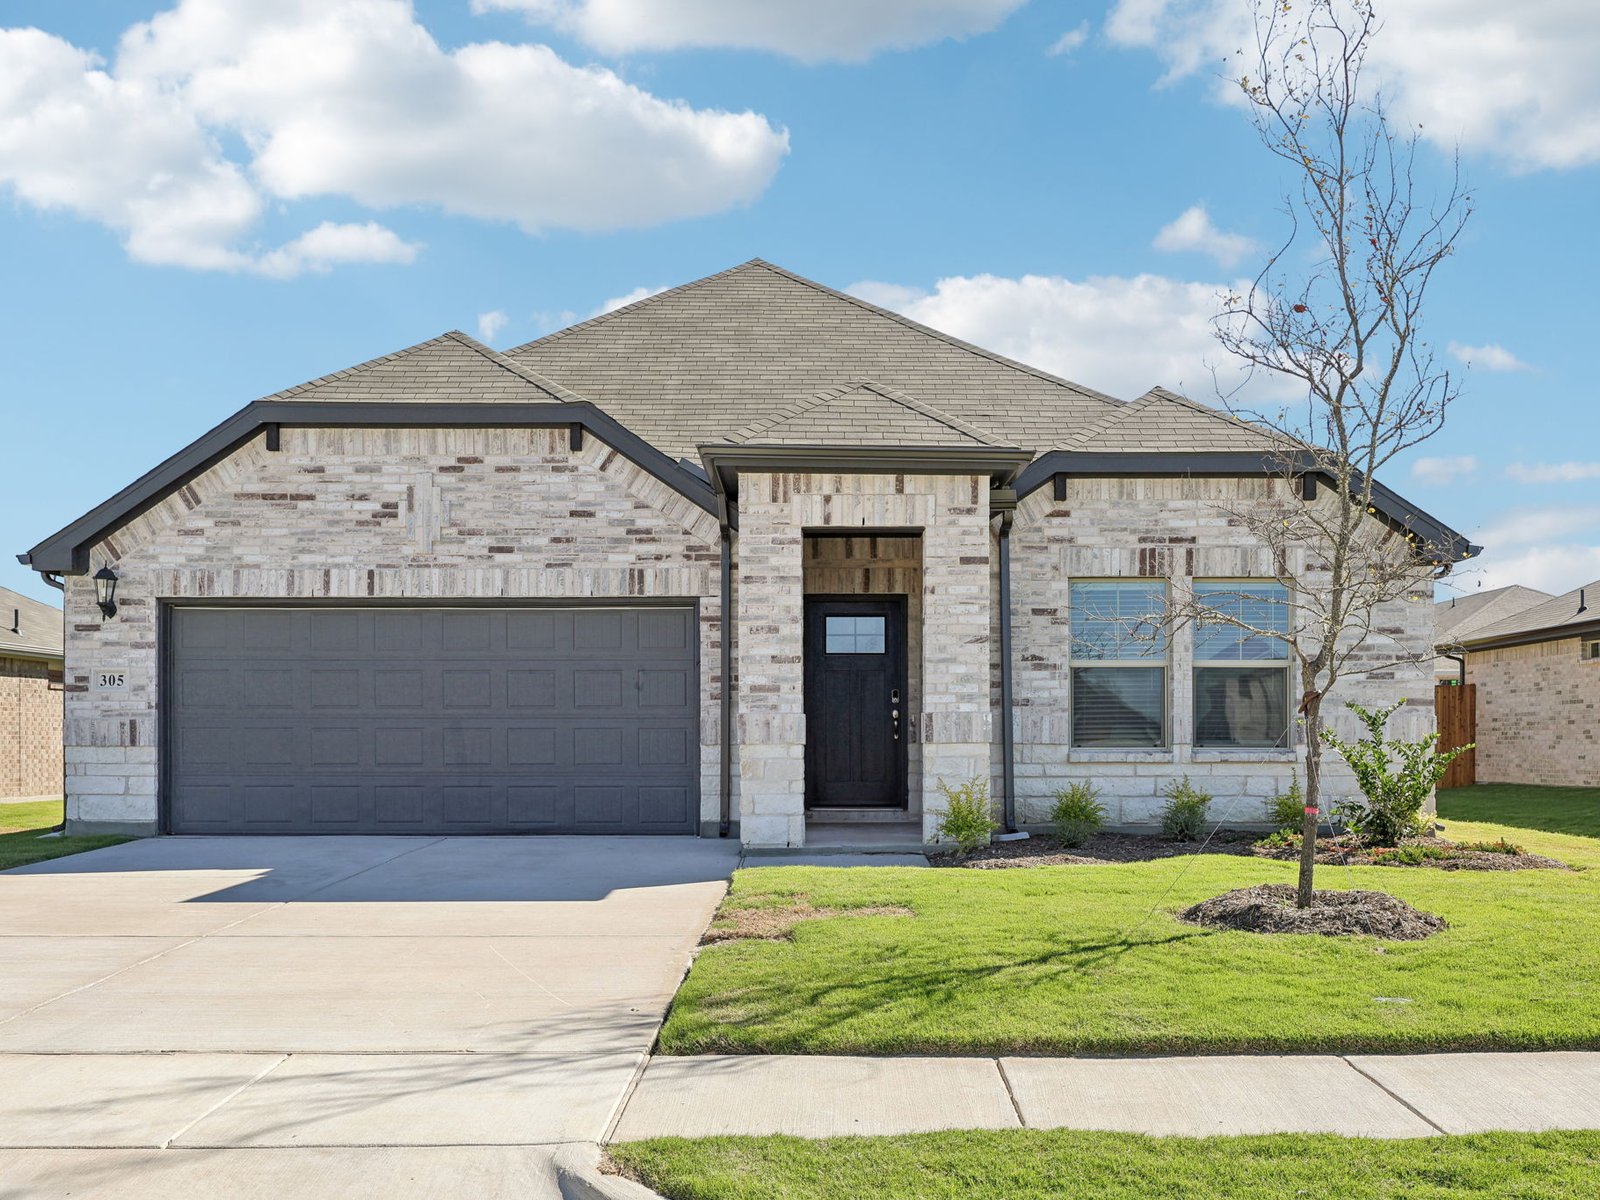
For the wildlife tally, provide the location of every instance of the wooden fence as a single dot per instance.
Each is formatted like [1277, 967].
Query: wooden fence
[1456, 708]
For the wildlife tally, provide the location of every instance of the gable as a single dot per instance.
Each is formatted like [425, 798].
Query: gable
[862, 414]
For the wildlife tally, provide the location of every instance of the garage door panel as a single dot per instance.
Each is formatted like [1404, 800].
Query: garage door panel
[433, 720]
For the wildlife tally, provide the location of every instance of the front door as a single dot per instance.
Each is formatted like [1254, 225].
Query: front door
[856, 714]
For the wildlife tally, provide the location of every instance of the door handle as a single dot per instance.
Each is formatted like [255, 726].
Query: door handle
[895, 713]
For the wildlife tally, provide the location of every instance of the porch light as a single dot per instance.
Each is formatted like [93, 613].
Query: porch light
[105, 592]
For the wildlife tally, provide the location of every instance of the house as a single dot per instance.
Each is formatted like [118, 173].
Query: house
[1460, 616]
[1537, 678]
[30, 697]
[749, 555]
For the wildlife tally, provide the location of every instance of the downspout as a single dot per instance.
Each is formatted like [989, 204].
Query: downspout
[726, 734]
[1461, 666]
[60, 585]
[1008, 758]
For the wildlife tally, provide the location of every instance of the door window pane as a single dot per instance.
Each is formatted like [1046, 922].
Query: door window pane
[1118, 706]
[854, 635]
[1241, 706]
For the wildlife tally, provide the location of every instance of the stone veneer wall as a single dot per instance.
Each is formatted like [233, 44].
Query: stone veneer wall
[879, 566]
[30, 727]
[1538, 714]
[381, 513]
[1178, 529]
[954, 724]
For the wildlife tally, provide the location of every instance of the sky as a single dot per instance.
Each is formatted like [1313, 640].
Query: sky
[205, 201]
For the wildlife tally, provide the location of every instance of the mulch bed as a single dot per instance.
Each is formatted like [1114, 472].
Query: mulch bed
[1270, 908]
[1344, 852]
[1044, 850]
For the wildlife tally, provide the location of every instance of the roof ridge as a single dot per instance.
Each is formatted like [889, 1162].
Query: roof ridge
[1111, 420]
[907, 400]
[527, 374]
[919, 327]
[359, 367]
[599, 318]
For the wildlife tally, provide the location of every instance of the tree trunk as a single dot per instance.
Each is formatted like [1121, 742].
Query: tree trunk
[1313, 804]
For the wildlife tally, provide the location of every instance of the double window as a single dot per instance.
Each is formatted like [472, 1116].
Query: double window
[1241, 671]
[1119, 664]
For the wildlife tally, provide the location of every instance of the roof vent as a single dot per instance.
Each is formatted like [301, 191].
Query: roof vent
[1582, 607]
[16, 620]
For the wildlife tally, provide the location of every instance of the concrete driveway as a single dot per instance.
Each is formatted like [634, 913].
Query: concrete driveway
[386, 1015]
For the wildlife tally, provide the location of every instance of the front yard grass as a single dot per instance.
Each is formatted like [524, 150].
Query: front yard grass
[1066, 1165]
[21, 826]
[1553, 809]
[1071, 960]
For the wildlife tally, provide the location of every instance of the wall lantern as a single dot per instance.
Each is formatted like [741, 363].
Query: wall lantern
[105, 592]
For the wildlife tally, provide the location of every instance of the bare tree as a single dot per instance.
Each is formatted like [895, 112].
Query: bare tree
[1336, 311]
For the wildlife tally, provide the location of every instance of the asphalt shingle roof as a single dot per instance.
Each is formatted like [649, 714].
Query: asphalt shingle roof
[1579, 607]
[1463, 616]
[449, 368]
[29, 627]
[862, 411]
[1164, 421]
[703, 361]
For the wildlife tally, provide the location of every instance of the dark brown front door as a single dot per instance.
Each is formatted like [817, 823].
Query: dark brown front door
[855, 702]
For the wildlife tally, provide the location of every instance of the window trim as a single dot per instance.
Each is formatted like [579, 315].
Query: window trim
[1586, 646]
[1161, 663]
[1198, 664]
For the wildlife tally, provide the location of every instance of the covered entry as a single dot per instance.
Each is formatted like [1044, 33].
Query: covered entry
[408, 719]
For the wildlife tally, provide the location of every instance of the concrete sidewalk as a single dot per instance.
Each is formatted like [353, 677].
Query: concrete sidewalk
[1388, 1096]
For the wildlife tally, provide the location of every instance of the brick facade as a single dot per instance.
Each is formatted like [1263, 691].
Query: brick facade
[1177, 529]
[953, 720]
[30, 727]
[380, 513]
[1538, 718]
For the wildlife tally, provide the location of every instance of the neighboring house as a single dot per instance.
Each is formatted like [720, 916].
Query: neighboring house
[455, 590]
[1460, 616]
[1537, 676]
[30, 697]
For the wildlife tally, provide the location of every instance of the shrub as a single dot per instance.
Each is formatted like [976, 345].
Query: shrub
[1396, 778]
[1412, 856]
[1287, 810]
[1184, 816]
[1077, 813]
[1282, 839]
[1500, 846]
[968, 816]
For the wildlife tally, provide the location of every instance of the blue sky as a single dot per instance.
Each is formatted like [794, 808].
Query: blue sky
[234, 202]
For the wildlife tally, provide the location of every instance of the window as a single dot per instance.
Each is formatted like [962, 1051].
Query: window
[1241, 679]
[1591, 650]
[854, 635]
[1119, 674]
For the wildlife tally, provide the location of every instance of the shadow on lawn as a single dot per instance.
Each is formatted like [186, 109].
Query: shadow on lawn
[802, 1016]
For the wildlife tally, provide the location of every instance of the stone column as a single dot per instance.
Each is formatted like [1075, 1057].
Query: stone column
[771, 719]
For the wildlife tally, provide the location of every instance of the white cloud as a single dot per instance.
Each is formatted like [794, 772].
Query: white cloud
[1440, 472]
[809, 30]
[1553, 549]
[1517, 81]
[1071, 40]
[633, 297]
[1492, 357]
[1119, 335]
[353, 99]
[1565, 472]
[1193, 231]
[490, 324]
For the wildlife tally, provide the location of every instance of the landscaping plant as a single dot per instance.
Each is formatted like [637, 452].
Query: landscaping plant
[968, 816]
[1183, 817]
[1287, 809]
[1077, 813]
[1335, 318]
[1396, 778]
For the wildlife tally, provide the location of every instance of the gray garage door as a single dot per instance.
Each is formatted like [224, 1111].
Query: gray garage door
[432, 720]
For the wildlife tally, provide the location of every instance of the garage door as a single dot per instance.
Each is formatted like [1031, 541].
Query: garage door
[432, 720]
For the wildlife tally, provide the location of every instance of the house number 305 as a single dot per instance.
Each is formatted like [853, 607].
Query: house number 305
[110, 681]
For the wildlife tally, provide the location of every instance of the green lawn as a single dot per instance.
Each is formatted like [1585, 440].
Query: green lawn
[1064, 960]
[21, 825]
[1064, 1165]
[1555, 810]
